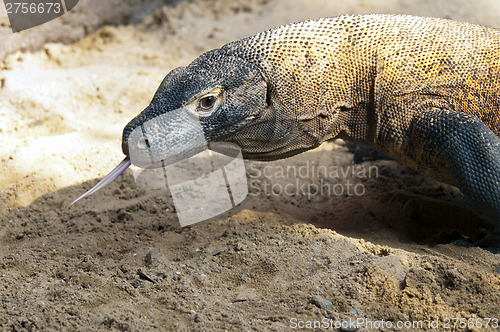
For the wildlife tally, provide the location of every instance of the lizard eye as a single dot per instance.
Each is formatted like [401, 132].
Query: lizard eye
[208, 102]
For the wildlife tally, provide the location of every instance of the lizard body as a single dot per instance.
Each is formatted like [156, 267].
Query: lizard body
[424, 91]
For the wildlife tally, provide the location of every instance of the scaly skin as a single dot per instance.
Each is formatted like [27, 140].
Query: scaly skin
[424, 91]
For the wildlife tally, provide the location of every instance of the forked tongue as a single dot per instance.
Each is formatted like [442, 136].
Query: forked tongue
[107, 179]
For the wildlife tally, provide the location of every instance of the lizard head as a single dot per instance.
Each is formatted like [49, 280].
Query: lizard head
[217, 98]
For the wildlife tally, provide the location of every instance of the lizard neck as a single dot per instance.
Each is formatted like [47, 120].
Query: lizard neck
[323, 82]
[322, 74]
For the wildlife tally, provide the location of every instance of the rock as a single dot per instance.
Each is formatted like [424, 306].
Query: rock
[143, 276]
[321, 302]
[244, 294]
[150, 257]
[245, 276]
[240, 246]
[217, 252]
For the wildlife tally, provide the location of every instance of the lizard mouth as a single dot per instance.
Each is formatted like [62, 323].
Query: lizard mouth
[152, 164]
[126, 162]
[226, 130]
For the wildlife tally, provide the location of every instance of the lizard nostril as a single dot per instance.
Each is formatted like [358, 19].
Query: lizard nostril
[143, 143]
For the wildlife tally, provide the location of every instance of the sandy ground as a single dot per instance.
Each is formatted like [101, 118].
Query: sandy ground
[120, 261]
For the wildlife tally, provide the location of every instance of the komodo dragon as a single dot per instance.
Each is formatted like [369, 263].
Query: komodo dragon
[424, 91]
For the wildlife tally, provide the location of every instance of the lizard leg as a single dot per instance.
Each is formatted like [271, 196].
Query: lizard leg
[460, 149]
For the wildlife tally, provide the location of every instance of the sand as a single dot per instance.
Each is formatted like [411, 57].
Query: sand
[119, 260]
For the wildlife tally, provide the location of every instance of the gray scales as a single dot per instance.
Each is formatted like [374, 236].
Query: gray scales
[423, 91]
